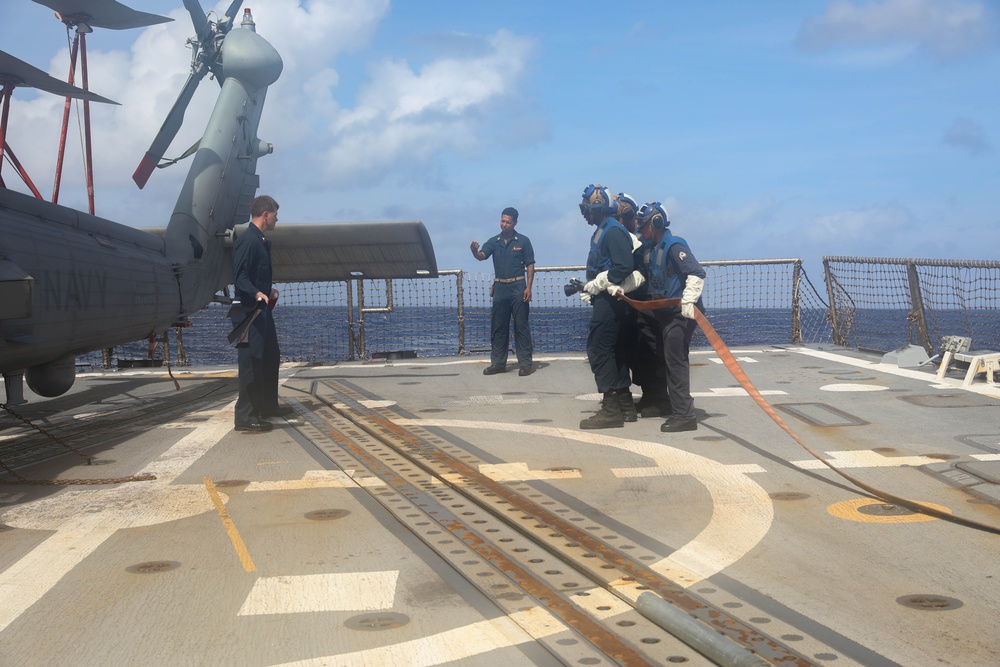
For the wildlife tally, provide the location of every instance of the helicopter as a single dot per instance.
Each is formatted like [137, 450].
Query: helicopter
[72, 282]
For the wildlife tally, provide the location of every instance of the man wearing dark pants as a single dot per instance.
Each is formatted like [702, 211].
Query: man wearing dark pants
[260, 357]
[675, 273]
[608, 264]
[514, 274]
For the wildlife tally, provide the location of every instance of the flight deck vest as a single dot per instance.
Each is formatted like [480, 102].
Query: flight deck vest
[595, 262]
[665, 281]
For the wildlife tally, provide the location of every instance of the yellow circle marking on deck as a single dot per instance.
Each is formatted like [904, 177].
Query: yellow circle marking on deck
[850, 510]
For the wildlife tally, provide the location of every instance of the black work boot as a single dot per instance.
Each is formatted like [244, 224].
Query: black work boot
[629, 413]
[609, 416]
[654, 403]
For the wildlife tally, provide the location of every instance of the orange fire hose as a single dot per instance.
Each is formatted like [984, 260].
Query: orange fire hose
[734, 367]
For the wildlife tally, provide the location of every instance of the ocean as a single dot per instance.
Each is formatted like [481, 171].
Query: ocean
[322, 334]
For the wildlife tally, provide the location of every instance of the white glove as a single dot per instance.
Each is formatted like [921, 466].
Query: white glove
[636, 242]
[616, 290]
[692, 292]
[585, 298]
[633, 281]
[598, 284]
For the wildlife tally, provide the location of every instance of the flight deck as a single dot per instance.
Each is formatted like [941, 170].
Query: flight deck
[415, 512]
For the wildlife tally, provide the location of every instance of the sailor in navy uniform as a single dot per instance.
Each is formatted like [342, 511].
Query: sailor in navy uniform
[609, 263]
[675, 273]
[260, 357]
[514, 274]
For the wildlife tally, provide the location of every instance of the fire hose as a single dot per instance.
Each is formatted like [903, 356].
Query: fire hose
[737, 371]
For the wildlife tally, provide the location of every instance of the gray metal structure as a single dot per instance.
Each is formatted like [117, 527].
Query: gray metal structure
[74, 282]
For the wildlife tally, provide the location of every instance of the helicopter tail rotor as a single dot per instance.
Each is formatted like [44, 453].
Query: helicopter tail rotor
[206, 58]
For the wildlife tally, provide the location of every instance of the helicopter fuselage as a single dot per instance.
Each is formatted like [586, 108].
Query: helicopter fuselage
[71, 282]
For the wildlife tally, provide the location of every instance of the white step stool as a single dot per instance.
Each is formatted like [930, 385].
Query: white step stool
[986, 361]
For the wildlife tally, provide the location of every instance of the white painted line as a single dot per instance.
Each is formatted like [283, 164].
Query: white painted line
[27, 580]
[344, 591]
[495, 400]
[848, 388]
[714, 392]
[865, 458]
[84, 518]
[891, 369]
[518, 472]
[719, 392]
[746, 360]
[740, 468]
[742, 511]
[447, 647]
[318, 479]
[372, 404]
[986, 457]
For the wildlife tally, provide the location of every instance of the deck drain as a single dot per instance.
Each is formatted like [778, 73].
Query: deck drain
[386, 620]
[100, 462]
[326, 515]
[231, 482]
[432, 410]
[925, 602]
[788, 495]
[562, 469]
[709, 438]
[153, 567]
[884, 509]
[537, 421]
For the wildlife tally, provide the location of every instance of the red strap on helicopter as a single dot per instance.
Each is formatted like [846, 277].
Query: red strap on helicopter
[737, 371]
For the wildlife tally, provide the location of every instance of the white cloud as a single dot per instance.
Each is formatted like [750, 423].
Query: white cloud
[968, 135]
[405, 117]
[402, 118]
[946, 29]
[874, 226]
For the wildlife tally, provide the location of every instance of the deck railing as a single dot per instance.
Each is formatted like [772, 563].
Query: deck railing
[877, 304]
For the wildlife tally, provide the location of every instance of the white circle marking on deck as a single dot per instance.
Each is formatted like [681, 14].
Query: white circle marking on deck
[742, 511]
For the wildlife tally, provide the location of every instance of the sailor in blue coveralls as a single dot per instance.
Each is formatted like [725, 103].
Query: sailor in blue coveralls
[514, 274]
[260, 358]
[608, 343]
[674, 272]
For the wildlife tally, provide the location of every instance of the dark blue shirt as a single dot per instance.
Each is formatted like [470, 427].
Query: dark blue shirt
[251, 265]
[511, 258]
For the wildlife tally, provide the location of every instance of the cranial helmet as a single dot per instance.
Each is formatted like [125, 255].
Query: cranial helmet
[597, 200]
[626, 206]
[653, 212]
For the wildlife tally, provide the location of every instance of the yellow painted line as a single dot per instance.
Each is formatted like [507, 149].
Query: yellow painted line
[272, 463]
[234, 535]
[849, 509]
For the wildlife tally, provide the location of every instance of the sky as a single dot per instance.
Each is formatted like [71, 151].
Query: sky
[767, 129]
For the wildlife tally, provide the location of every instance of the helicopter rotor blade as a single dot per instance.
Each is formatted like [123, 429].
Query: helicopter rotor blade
[168, 130]
[199, 19]
[231, 13]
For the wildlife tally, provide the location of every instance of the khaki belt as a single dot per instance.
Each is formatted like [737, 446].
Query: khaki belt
[507, 280]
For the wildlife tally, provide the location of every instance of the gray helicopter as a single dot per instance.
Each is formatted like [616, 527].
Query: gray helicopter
[72, 282]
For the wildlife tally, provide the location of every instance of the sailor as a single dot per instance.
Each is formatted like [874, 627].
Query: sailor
[260, 357]
[648, 366]
[674, 272]
[608, 264]
[626, 215]
[514, 274]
